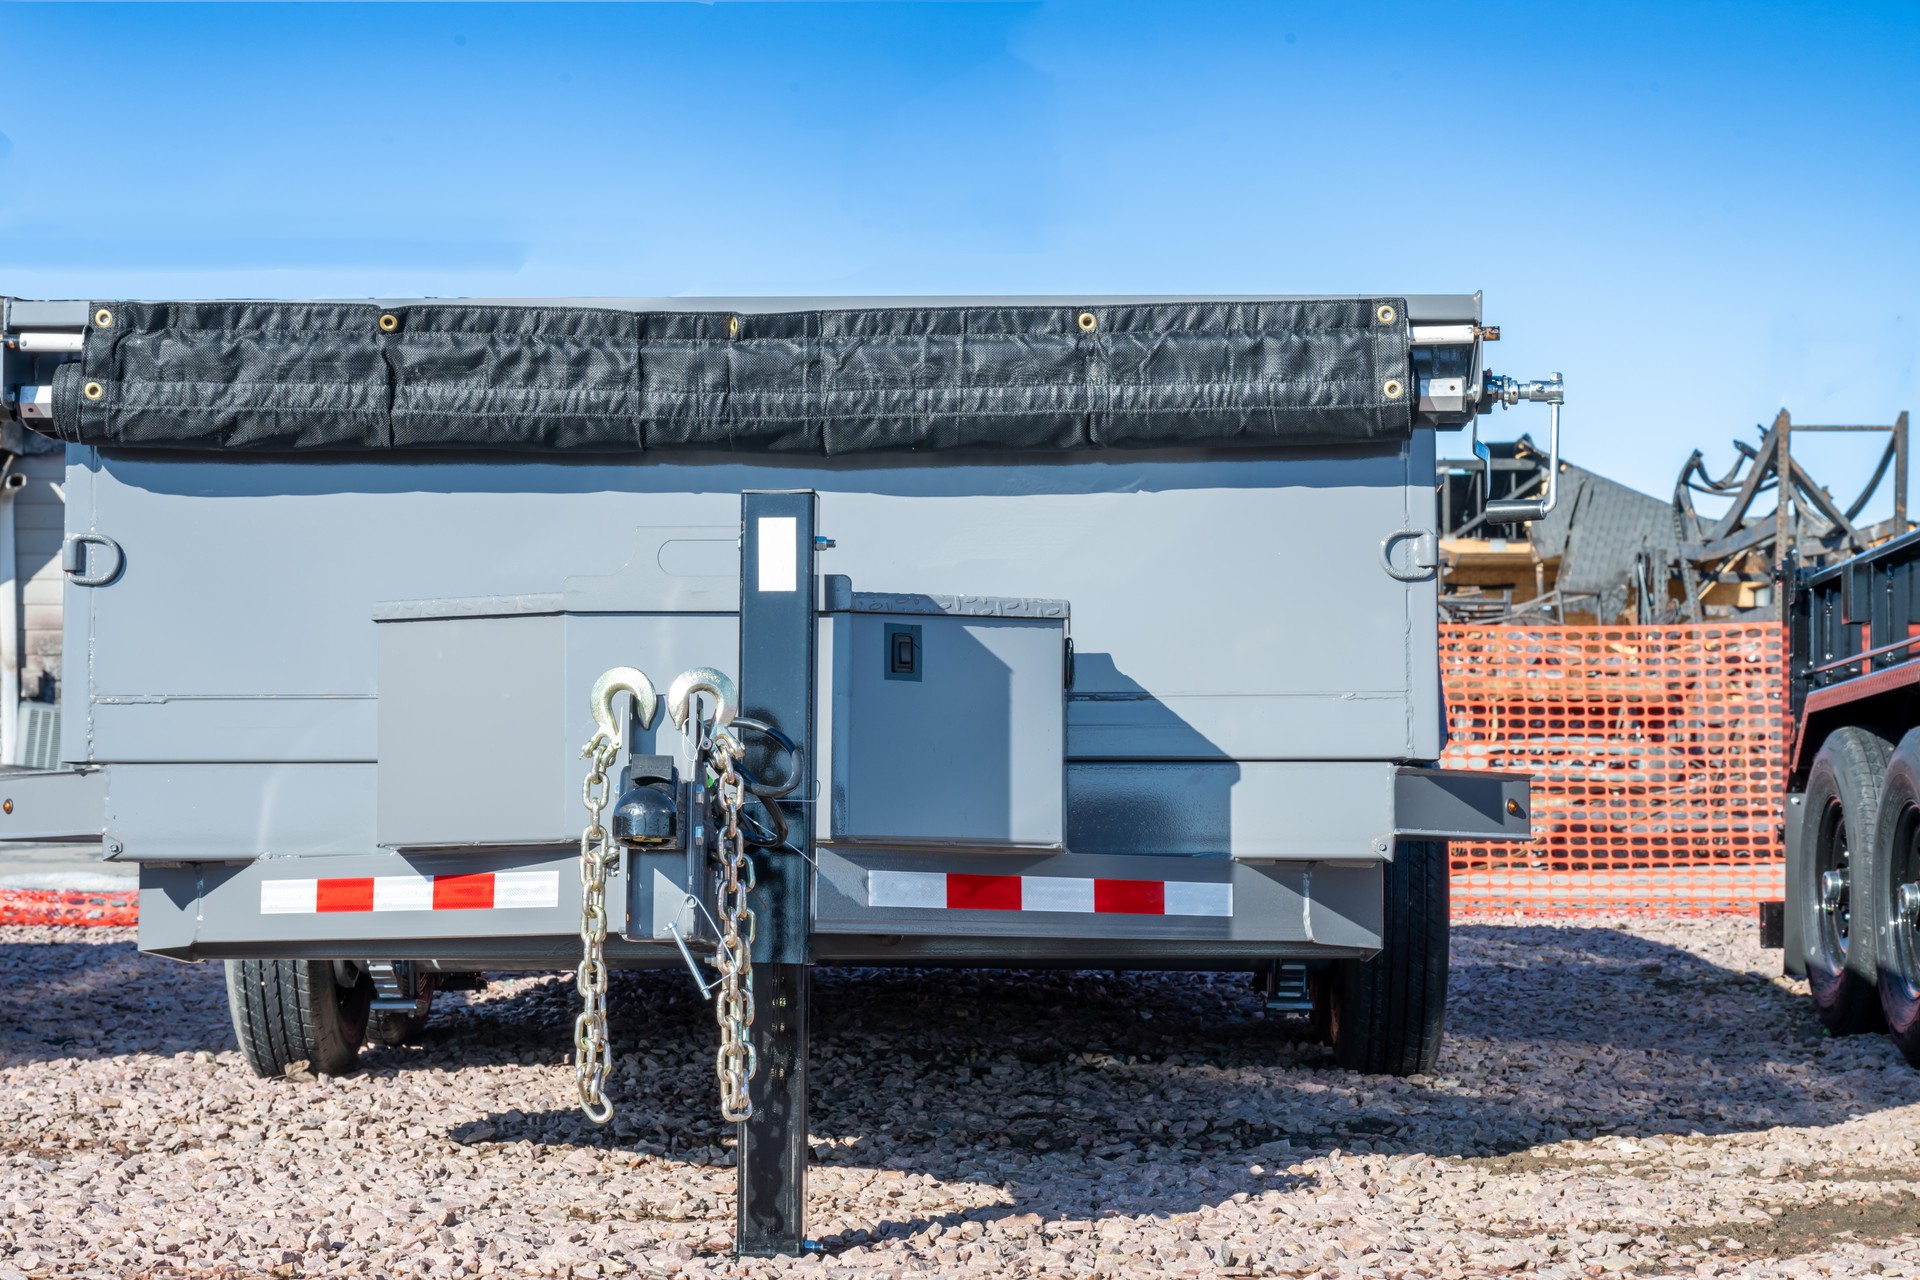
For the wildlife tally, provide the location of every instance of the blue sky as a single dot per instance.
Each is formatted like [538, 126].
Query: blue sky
[1700, 213]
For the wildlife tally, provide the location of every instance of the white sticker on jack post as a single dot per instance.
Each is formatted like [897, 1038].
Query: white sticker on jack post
[779, 553]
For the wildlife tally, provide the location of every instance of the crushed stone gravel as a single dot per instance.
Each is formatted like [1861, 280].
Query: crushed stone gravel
[1637, 1097]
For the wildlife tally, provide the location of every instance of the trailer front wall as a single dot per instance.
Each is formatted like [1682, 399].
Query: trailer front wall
[1245, 611]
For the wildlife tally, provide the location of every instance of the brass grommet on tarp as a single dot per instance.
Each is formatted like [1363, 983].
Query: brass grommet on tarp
[1386, 314]
[92, 391]
[103, 319]
[1392, 389]
[733, 326]
[1088, 322]
[389, 322]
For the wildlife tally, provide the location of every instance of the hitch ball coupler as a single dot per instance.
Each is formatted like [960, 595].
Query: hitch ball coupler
[646, 812]
[644, 815]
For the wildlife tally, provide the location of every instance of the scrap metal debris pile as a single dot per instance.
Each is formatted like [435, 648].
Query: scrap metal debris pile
[1573, 565]
[1610, 554]
[1734, 563]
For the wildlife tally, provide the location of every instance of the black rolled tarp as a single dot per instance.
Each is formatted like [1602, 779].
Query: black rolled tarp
[277, 377]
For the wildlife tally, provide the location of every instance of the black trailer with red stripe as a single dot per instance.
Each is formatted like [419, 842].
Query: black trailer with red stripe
[1852, 910]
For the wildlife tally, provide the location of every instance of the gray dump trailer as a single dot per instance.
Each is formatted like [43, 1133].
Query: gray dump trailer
[1014, 632]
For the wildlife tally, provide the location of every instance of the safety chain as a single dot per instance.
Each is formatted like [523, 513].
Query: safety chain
[735, 1062]
[592, 1057]
[715, 751]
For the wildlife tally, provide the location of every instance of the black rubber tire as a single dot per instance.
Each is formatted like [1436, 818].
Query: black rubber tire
[1896, 861]
[291, 1011]
[1387, 1014]
[1843, 810]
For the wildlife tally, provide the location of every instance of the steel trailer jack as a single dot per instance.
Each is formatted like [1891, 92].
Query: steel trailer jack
[764, 879]
[779, 596]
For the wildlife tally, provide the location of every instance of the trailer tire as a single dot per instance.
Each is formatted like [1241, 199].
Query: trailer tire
[1896, 863]
[289, 1011]
[1843, 802]
[1386, 1015]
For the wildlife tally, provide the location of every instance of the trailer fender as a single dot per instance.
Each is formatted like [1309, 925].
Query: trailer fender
[1461, 804]
[54, 806]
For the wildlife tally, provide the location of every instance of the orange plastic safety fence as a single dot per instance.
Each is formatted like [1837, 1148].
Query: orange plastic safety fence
[68, 907]
[1657, 763]
[1656, 755]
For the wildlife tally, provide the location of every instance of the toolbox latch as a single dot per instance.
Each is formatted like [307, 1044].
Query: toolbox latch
[903, 651]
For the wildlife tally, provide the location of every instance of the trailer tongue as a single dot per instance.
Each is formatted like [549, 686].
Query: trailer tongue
[1008, 632]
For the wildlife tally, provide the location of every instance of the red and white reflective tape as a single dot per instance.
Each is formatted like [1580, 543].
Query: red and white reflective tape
[952, 890]
[483, 891]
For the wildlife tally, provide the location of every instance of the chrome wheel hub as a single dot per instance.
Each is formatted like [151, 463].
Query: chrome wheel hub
[1833, 890]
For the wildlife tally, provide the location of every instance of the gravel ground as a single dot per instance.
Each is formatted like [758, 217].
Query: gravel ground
[1639, 1098]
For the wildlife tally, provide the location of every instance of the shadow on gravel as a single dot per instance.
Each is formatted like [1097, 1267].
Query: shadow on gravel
[105, 999]
[1080, 1093]
[1161, 1093]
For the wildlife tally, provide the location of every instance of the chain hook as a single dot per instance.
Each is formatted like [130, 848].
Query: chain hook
[715, 684]
[607, 728]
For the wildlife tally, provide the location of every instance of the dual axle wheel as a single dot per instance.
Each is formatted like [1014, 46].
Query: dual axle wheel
[315, 1011]
[1385, 1016]
[1859, 890]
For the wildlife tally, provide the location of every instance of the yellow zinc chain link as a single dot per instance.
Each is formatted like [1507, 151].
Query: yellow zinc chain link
[592, 1056]
[735, 1063]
